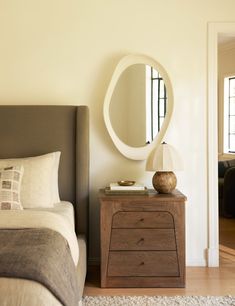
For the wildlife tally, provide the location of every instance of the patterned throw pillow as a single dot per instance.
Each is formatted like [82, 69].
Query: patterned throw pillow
[10, 184]
[39, 186]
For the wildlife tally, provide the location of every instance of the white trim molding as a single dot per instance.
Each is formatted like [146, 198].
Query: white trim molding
[214, 30]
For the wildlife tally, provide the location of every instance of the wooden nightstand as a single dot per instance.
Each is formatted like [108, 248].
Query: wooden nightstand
[142, 240]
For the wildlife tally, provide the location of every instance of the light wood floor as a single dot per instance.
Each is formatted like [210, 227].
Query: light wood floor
[227, 232]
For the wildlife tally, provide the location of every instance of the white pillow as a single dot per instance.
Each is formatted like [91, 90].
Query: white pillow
[55, 172]
[10, 185]
[39, 186]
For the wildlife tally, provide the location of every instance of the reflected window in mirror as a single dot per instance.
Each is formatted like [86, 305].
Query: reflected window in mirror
[156, 101]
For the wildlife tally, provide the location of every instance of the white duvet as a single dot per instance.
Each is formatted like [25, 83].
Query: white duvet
[41, 219]
[21, 292]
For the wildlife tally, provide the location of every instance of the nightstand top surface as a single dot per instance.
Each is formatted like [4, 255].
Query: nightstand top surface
[176, 195]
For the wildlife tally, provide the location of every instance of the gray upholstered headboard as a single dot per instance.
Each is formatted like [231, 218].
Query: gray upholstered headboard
[34, 130]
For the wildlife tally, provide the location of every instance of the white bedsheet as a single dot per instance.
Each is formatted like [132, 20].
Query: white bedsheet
[31, 218]
[63, 208]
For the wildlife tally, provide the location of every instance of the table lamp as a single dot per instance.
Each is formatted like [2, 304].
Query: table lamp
[164, 160]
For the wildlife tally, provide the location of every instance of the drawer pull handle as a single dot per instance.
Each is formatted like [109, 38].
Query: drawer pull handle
[142, 263]
[140, 241]
[142, 220]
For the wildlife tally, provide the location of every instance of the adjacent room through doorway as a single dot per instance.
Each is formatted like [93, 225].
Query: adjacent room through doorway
[226, 145]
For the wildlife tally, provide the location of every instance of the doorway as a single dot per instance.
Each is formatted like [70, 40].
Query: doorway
[215, 30]
[226, 143]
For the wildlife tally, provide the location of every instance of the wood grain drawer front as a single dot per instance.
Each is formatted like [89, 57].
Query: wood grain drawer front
[136, 219]
[142, 239]
[149, 263]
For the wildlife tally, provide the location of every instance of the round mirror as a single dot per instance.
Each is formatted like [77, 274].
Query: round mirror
[138, 106]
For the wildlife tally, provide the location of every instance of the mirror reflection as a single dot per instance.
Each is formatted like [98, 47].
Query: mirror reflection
[138, 105]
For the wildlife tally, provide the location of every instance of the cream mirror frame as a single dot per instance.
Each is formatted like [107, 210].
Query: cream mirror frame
[137, 153]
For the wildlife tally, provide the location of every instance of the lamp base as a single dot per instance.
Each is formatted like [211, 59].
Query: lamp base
[164, 182]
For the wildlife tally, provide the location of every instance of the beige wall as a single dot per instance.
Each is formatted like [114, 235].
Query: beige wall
[64, 52]
[137, 106]
[119, 107]
[127, 107]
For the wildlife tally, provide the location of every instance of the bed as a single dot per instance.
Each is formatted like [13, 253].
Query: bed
[35, 131]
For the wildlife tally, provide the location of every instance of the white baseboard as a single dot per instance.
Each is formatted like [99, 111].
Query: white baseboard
[213, 257]
[210, 259]
[196, 263]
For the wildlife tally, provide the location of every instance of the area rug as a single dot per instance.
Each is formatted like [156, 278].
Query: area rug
[158, 300]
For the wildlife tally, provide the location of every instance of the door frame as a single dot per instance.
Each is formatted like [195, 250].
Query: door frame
[214, 29]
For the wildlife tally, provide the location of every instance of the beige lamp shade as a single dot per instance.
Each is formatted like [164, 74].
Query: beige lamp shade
[164, 160]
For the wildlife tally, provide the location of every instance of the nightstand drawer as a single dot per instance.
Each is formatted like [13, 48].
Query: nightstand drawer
[142, 239]
[143, 263]
[136, 219]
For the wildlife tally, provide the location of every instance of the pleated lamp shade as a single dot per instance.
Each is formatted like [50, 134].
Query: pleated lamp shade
[165, 158]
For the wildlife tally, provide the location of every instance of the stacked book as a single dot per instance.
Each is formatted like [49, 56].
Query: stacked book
[116, 188]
